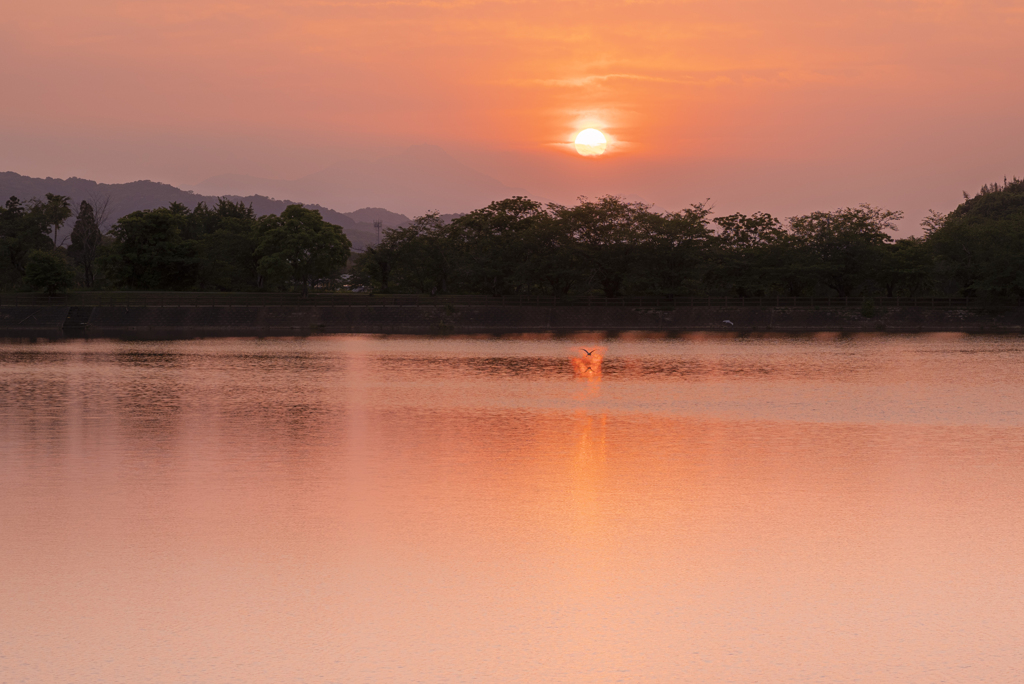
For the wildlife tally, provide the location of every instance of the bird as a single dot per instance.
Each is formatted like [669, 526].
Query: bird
[590, 352]
[728, 322]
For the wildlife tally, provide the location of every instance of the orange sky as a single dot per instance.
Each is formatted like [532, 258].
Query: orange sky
[782, 105]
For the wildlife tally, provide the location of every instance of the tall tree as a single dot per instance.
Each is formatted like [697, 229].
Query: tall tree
[101, 209]
[22, 229]
[228, 237]
[378, 265]
[673, 253]
[299, 247]
[85, 241]
[57, 210]
[847, 243]
[757, 257]
[496, 240]
[427, 256]
[607, 232]
[150, 252]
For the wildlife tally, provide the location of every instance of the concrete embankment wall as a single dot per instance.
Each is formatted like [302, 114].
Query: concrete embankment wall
[32, 317]
[457, 319]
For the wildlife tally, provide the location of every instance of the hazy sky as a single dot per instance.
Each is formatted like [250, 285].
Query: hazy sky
[782, 105]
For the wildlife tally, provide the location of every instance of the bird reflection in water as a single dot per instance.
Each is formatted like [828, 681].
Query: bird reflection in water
[587, 362]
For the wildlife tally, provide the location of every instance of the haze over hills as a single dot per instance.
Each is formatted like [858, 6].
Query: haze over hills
[422, 178]
[124, 198]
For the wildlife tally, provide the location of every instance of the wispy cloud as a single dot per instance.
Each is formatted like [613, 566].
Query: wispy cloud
[582, 81]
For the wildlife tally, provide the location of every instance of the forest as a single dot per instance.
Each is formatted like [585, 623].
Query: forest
[224, 248]
[605, 247]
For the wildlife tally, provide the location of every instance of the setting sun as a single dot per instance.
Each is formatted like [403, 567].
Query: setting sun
[591, 142]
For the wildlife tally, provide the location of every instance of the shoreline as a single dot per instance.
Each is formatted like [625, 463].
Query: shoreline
[456, 319]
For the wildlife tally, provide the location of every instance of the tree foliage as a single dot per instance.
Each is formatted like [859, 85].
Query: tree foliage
[49, 271]
[612, 247]
[980, 245]
[22, 230]
[150, 251]
[54, 212]
[85, 241]
[599, 247]
[300, 247]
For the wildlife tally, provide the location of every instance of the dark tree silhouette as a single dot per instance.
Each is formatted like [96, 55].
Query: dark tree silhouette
[85, 241]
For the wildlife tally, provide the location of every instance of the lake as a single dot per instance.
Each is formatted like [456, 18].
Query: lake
[367, 509]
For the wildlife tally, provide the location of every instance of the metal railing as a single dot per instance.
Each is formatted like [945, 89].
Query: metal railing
[160, 299]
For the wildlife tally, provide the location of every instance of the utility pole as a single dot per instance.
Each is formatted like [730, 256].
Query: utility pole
[377, 224]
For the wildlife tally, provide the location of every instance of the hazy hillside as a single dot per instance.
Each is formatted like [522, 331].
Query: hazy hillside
[371, 214]
[124, 198]
[421, 179]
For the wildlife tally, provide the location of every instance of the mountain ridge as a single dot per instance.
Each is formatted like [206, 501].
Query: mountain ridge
[125, 198]
[420, 179]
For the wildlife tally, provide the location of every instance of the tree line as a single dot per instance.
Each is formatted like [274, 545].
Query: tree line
[614, 248]
[517, 246]
[221, 248]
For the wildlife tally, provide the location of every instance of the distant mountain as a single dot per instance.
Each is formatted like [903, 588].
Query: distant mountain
[421, 179]
[371, 214]
[124, 198]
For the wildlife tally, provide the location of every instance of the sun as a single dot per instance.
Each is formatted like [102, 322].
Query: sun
[591, 142]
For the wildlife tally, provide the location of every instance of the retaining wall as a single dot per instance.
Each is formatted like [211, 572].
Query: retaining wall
[455, 319]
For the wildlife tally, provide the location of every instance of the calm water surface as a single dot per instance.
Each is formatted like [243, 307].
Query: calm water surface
[358, 509]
